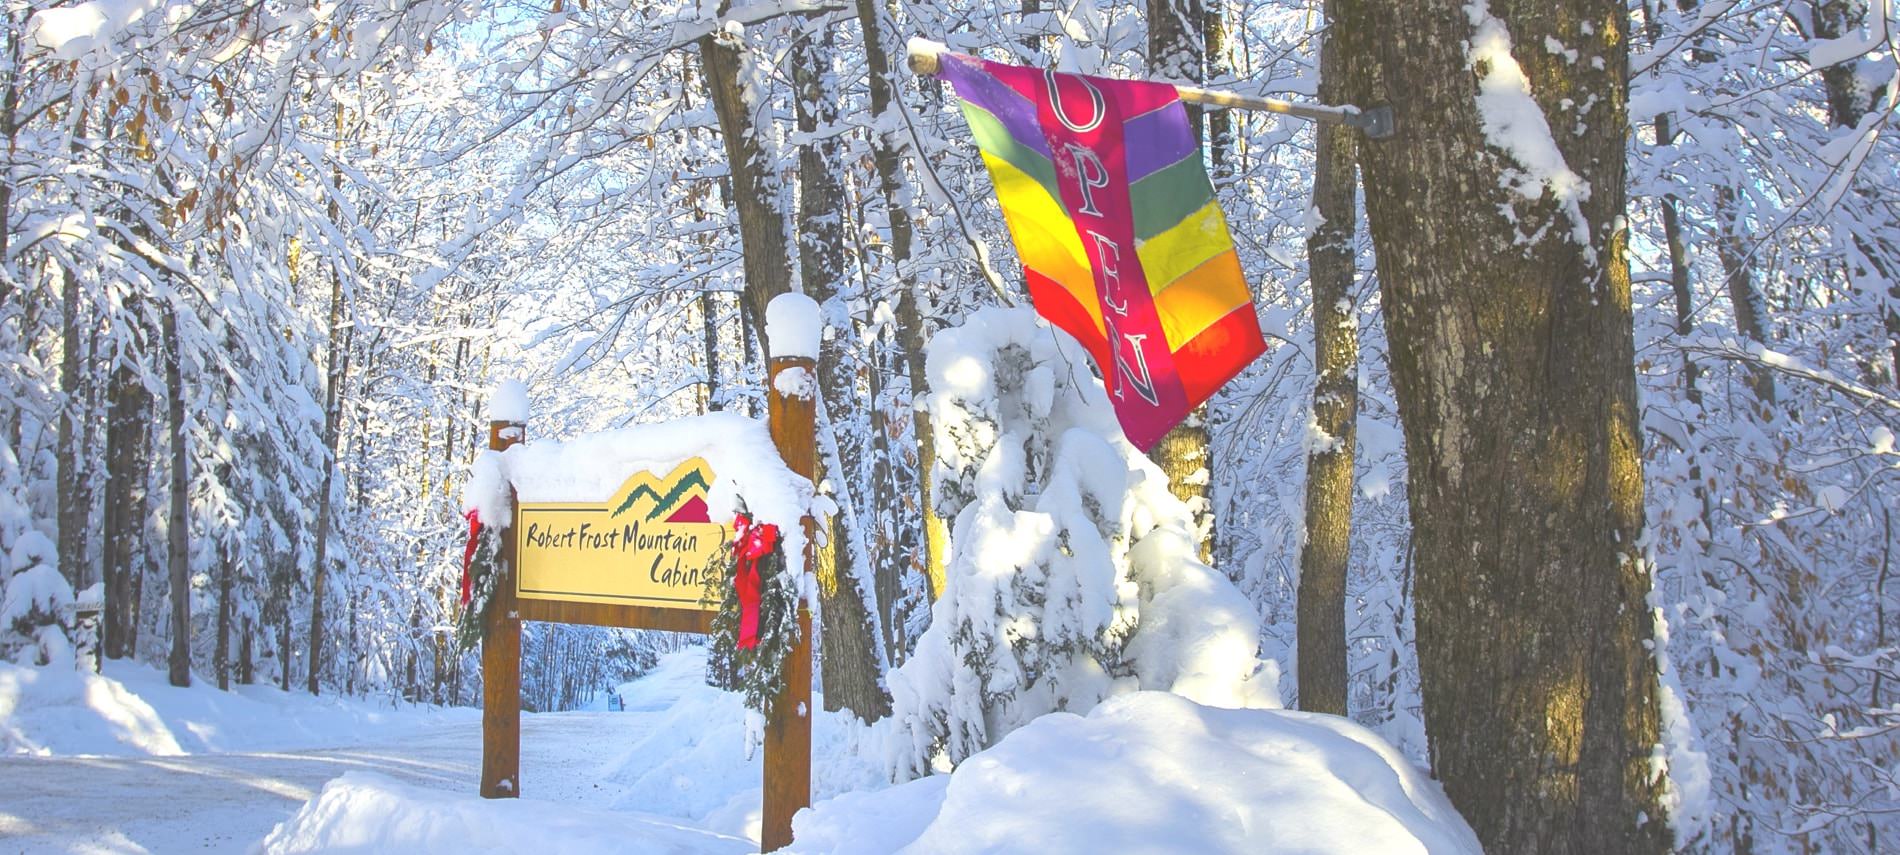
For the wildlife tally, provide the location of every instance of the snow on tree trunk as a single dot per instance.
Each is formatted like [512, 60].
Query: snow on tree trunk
[1073, 573]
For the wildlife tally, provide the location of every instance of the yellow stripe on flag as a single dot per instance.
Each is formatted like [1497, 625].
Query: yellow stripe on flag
[1045, 236]
[1201, 297]
[1189, 244]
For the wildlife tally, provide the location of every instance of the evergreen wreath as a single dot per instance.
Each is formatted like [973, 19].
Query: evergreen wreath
[471, 622]
[757, 672]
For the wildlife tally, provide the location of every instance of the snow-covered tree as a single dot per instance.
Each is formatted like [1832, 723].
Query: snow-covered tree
[1073, 572]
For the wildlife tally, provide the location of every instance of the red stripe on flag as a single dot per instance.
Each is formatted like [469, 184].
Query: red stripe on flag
[1058, 306]
[1218, 353]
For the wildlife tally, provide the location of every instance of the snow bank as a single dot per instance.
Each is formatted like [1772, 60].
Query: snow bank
[1155, 772]
[685, 784]
[363, 812]
[1144, 772]
[134, 710]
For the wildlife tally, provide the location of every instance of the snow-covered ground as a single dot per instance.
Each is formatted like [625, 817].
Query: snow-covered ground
[133, 710]
[128, 764]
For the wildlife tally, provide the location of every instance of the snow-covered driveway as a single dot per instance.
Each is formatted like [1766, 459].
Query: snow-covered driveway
[227, 802]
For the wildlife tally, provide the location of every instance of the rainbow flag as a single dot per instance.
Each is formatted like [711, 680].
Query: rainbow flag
[1122, 242]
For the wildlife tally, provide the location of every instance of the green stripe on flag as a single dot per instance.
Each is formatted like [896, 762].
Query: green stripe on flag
[992, 137]
[1169, 195]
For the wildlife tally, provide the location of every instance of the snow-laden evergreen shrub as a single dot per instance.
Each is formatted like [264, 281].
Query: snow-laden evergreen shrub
[34, 597]
[1073, 572]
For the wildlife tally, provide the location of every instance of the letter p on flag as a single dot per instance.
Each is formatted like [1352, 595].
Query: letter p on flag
[1122, 242]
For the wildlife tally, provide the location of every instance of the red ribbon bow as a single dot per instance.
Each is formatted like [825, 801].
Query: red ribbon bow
[468, 552]
[749, 544]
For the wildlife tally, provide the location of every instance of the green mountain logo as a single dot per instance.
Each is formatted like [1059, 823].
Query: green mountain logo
[689, 482]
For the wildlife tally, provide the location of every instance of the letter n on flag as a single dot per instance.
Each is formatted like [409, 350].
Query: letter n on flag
[1122, 242]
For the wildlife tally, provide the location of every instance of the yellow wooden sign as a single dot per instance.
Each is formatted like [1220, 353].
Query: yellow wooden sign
[652, 544]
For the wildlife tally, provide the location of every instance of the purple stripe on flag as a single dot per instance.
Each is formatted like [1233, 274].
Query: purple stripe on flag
[1011, 108]
[1158, 139]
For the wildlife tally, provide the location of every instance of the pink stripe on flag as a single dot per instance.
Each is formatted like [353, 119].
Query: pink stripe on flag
[1082, 118]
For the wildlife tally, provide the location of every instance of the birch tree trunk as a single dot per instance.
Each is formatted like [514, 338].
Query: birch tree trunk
[1507, 299]
[1329, 463]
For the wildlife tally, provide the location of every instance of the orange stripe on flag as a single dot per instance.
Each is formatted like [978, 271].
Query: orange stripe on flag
[1221, 350]
[1201, 298]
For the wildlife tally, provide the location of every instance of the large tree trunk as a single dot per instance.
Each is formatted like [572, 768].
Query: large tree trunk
[1513, 361]
[128, 446]
[755, 188]
[1848, 98]
[178, 522]
[852, 671]
[1329, 462]
[1176, 48]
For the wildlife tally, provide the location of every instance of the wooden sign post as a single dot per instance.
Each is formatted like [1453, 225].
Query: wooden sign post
[788, 731]
[579, 555]
[501, 659]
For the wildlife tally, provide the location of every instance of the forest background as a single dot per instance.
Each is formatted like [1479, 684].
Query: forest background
[262, 262]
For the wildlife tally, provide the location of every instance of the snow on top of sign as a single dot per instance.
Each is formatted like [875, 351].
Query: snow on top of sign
[510, 402]
[793, 325]
[591, 467]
